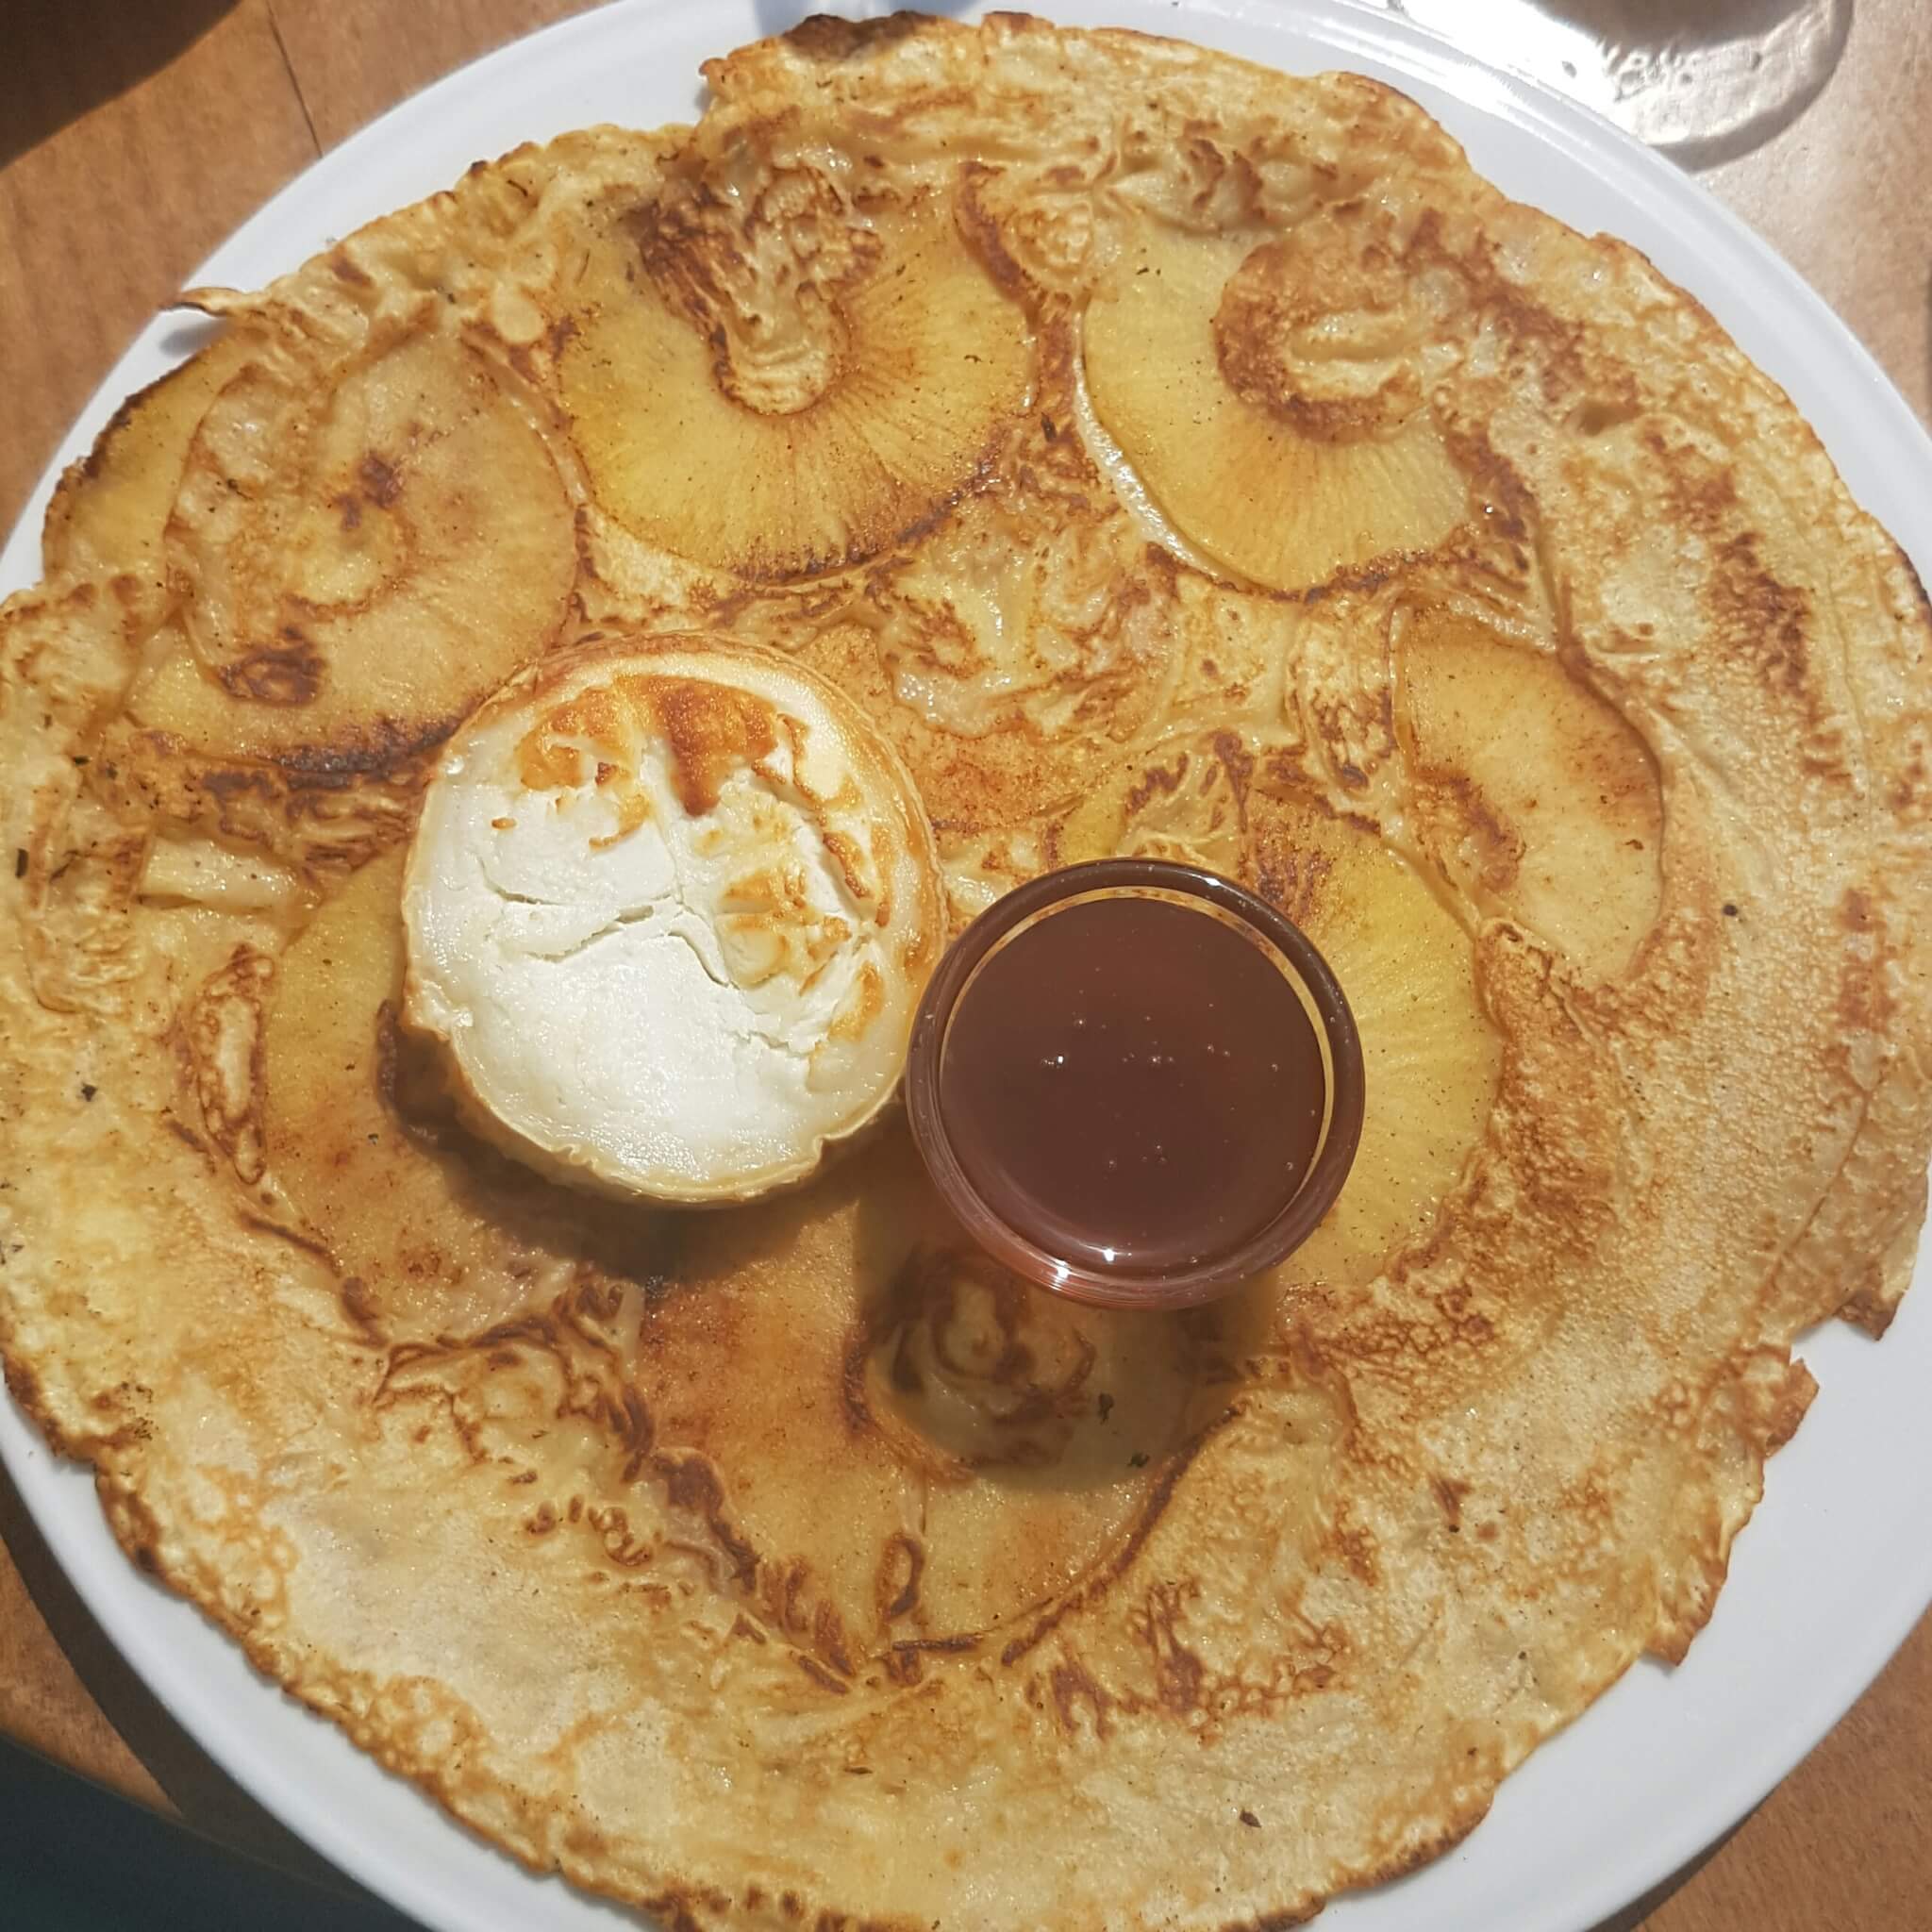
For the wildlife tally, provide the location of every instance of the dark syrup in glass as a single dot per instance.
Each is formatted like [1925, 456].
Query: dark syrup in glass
[1134, 1083]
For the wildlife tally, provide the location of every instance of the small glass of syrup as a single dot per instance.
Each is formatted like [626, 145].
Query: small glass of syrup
[1136, 1083]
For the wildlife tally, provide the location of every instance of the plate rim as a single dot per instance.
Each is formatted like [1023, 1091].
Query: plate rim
[137, 1614]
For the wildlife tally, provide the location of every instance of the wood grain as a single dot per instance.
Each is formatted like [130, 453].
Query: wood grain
[357, 56]
[1844, 196]
[134, 137]
[1842, 1844]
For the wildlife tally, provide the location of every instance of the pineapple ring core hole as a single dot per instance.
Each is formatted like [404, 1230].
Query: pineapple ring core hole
[1322, 327]
[764, 290]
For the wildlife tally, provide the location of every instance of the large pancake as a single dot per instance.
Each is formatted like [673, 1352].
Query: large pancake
[1172, 457]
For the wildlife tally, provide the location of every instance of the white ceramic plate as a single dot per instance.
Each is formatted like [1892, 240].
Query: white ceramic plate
[1837, 1564]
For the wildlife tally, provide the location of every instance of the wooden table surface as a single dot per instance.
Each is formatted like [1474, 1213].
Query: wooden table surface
[135, 136]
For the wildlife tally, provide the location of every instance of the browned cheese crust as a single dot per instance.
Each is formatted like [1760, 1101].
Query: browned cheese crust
[1170, 456]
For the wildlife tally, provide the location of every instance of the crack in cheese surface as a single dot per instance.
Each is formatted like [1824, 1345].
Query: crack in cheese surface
[670, 909]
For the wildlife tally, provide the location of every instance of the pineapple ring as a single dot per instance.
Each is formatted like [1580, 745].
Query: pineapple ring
[1534, 797]
[776, 415]
[1280, 464]
[354, 572]
[1432, 1056]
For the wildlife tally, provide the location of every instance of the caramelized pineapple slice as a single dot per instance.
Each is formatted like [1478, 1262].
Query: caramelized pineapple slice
[1534, 796]
[1432, 1057]
[423, 1231]
[1430, 1052]
[1271, 399]
[359, 552]
[792, 403]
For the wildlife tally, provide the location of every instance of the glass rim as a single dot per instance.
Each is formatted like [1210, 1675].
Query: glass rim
[1168, 1288]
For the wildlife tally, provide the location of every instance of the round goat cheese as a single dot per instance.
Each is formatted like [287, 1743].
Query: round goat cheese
[670, 909]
